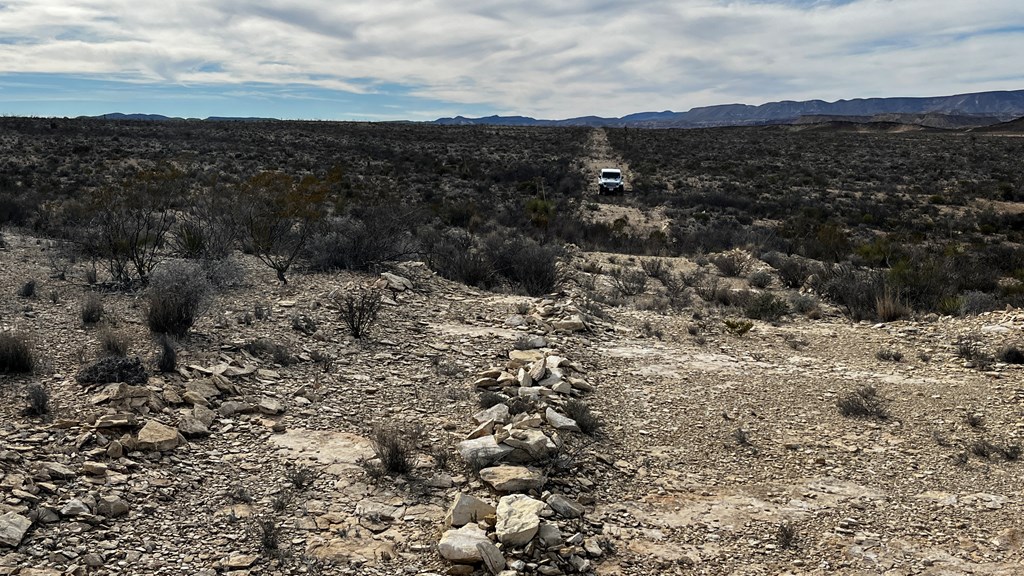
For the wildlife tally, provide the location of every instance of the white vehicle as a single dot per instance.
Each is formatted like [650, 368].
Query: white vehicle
[610, 181]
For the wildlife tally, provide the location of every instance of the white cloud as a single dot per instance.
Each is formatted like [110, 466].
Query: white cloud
[579, 57]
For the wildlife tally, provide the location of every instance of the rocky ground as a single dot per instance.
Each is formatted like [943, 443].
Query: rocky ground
[720, 452]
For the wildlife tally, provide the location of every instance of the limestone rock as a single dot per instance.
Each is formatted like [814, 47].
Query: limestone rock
[518, 519]
[116, 421]
[75, 507]
[466, 509]
[498, 413]
[484, 450]
[492, 557]
[560, 421]
[191, 427]
[460, 544]
[512, 478]
[13, 528]
[271, 406]
[531, 445]
[565, 507]
[157, 436]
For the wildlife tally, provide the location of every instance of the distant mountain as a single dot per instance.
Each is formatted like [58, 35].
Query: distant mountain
[933, 120]
[1011, 127]
[976, 109]
[162, 118]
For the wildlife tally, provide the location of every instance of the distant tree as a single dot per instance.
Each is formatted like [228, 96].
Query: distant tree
[279, 215]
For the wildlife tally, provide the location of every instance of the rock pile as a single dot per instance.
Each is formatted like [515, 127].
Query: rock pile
[524, 429]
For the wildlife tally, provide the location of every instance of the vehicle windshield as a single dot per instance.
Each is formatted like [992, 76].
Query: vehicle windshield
[609, 175]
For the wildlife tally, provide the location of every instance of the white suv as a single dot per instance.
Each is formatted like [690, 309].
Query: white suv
[610, 181]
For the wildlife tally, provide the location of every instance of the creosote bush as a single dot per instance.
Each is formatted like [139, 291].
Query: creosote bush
[178, 295]
[15, 354]
[359, 310]
[863, 402]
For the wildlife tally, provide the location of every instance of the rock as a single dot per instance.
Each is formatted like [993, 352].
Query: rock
[116, 421]
[94, 468]
[111, 507]
[75, 507]
[157, 436]
[492, 557]
[562, 387]
[270, 406]
[515, 320]
[239, 561]
[531, 343]
[93, 560]
[396, 283]
[538, 370]
[13, 528]
[498, 413]
[56, 470]
[565, 507]
[549, 535]
[191, 427]
[483, 451]
[512, 478]
[592, 548]
[485, 383]
[204, 415]
[995, 329]
[531, 445]
[466, 509]
[115, 450]
[484, 429]
[525, 355]
[460, 544]
[560, 421]
[571, 324]
[232, 407]
[518, 519]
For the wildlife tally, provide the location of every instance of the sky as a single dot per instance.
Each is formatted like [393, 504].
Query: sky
[424, 59]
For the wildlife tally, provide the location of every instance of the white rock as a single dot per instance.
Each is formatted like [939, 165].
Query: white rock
[518, 519]
[485, 450]
[460, 544]
[13, 528]
[560, 421]
[512, 478]
[466, 509]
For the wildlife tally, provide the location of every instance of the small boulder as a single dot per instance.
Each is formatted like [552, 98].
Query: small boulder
[512, 478]
[565, 507]
[466, 509]
[111, 507]
[13, 528]
[518, 519]
[460, 544]
[484, 450]
[560, 421]
[157, 436]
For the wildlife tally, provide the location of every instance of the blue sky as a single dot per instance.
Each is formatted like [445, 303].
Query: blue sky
[419, 60]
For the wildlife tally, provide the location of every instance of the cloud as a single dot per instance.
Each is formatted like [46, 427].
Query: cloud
[545, 59]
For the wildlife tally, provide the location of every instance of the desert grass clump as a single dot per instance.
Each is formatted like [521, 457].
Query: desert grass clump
[787, 536]
[587, 421]
[178, 295]
[359, 310]
[889, 306]
[38, 398]
[393, 448]
[92, 310]
[28, 289]
[113, 343]
[760, 279]
[16, 355]
[889, 355]
[863, 402]
[300, 476]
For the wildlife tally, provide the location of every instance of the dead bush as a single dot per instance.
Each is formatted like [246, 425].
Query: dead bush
[359, 309]
[393, 448]
[167, 360]
[863, 402]
[113, 343]
[730, 264]
[889, 355]
[628, 281]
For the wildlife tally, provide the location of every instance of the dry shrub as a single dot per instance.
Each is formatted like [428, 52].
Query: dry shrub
[178, 295]
[15, 354]
[393, 449]
[863, 402]
[359, 310]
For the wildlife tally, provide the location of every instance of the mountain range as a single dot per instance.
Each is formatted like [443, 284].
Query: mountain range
[958, 111]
